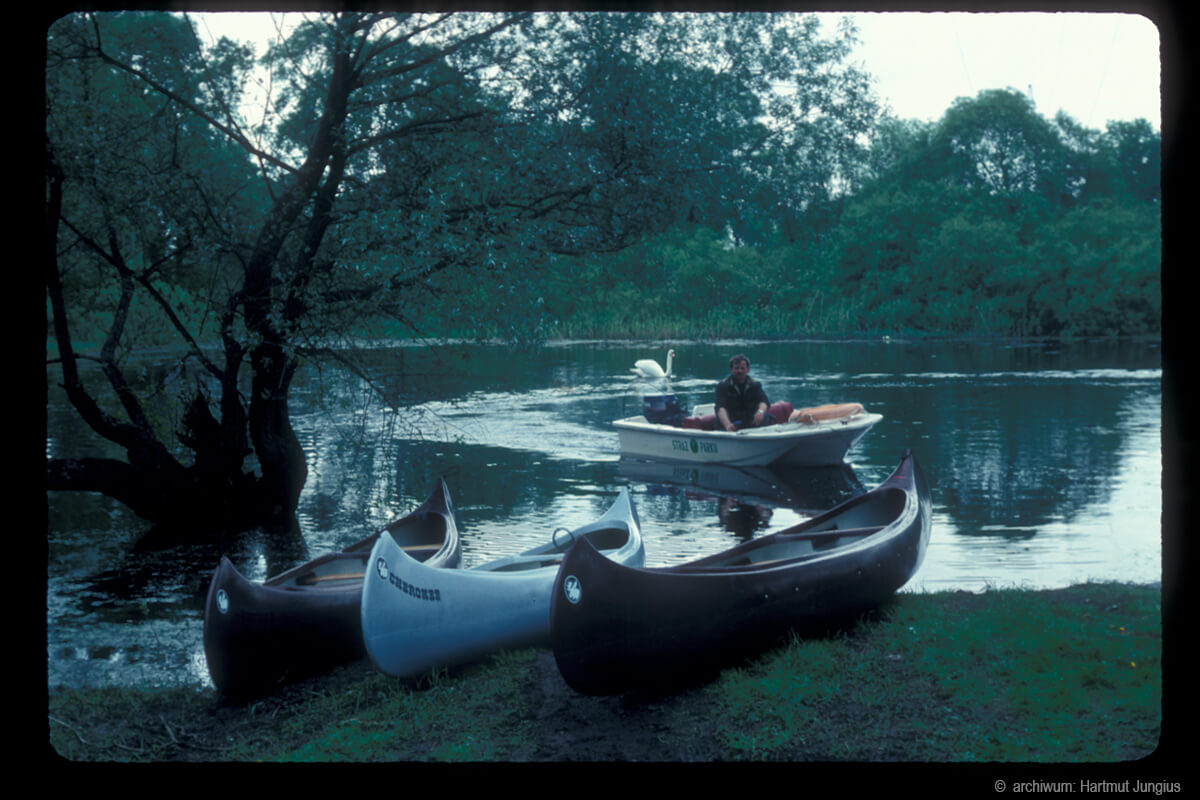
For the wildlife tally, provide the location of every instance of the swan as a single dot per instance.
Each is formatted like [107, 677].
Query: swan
[649, 368]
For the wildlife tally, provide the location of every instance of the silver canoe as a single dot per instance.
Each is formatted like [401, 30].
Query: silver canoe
[415, 618]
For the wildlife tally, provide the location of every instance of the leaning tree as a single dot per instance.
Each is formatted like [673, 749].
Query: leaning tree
[384, 158]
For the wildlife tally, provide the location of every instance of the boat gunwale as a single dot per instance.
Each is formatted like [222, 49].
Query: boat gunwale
[438, 504]
[857, 536]
[620, 514]
[283, 584]
[781, 430]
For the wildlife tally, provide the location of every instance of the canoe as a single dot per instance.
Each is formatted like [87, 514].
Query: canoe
[615, 628]
[811, 440]
[306, 621]
[415, 619]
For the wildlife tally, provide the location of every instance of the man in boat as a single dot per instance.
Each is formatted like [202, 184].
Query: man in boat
[740, 400]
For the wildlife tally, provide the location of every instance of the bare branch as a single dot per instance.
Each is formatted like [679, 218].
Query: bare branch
[437, 55]
[234, 134]
[118, 263]
[416, 126]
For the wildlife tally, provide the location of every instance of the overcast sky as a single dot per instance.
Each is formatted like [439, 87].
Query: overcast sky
[1097, 67]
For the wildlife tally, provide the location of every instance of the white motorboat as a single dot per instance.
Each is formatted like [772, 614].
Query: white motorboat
[809, 438]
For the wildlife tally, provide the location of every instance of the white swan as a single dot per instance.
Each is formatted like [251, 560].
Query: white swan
[649, 368]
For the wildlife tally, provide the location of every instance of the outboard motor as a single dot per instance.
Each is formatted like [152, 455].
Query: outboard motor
[662, 409]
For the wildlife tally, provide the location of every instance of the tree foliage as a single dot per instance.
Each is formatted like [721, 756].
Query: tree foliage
[992, 220]
[998, 220]
[406, 172]
[524, 175]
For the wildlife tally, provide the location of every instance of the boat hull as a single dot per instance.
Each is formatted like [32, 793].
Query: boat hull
[415, 619]
[787, 444]
[305, 621]
[616, 628]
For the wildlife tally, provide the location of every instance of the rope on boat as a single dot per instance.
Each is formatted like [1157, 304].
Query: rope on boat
[554, 538]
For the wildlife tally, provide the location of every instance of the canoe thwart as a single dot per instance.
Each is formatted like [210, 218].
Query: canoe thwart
[310, 579]
[836, 532]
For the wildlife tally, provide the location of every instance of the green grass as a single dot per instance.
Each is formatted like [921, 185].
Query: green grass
[1004, 676]
[1071, 676]
[475, 718]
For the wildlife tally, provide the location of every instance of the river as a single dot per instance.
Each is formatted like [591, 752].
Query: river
[1044, 460]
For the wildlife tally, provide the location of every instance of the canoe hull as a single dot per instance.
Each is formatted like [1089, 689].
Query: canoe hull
[306, 621]
[787, 444]
[267, 637]
[415, 619]
[614, 628]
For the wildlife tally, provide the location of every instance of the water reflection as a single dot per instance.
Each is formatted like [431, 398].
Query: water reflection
[798, 487]
[1044, 464]
[743, 519]
[1021, 452]
[746, 497]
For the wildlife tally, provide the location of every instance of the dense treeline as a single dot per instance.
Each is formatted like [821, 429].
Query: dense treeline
[525, 175]
[990, 221]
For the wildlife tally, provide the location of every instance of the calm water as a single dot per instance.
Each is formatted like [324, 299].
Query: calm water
[1044, 461]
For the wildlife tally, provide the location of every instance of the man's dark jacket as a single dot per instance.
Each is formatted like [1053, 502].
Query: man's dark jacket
[740, 401]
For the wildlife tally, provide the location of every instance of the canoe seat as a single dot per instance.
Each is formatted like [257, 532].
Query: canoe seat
[835, 532]
[743, 559]
[311, 579]
[535, 562]
[780, 411]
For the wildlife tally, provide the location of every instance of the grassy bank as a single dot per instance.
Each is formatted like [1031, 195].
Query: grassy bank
[1071, 675]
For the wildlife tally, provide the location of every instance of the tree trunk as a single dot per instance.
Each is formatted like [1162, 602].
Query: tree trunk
[216, 491]
[213, 495]
[280, 456]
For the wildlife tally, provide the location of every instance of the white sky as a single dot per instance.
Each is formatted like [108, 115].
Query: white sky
[1097, 67]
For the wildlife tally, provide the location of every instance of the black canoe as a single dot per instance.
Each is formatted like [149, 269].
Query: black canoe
[616, 628]
[307, 620]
